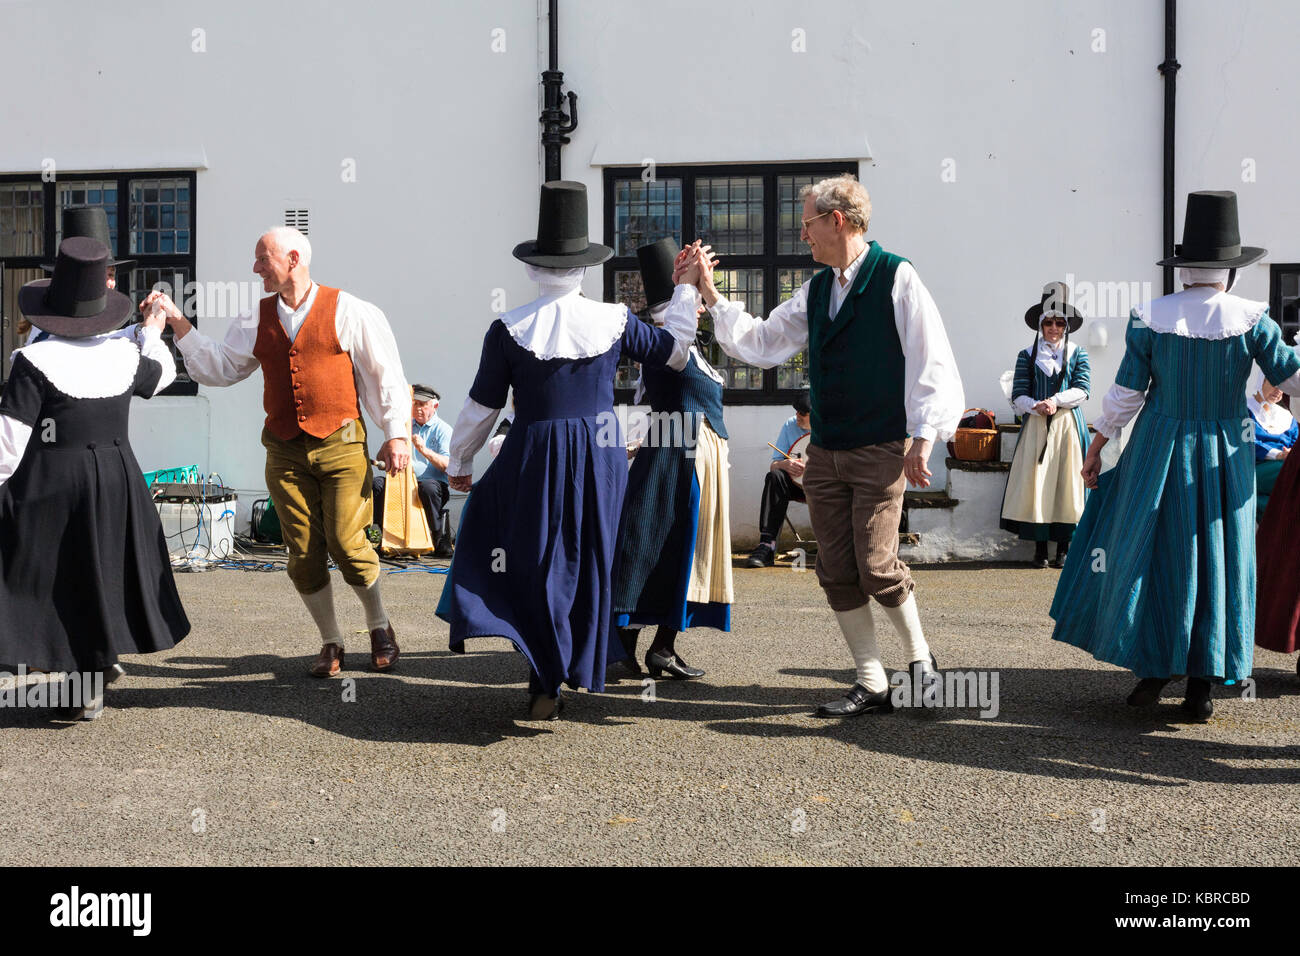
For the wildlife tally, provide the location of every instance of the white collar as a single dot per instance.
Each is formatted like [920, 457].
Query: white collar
[566, 326]
[101, 366]
[1201, 313]
[849, 272]
[288, 313]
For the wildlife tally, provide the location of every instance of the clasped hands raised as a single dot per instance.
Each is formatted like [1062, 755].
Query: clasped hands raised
[694, 265]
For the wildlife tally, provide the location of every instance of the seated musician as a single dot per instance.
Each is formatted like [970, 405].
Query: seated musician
[779, 488]
[430, 445]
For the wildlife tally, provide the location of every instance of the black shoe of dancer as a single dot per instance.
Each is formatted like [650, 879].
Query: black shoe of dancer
[1040, 554]
[1147, 691]
[1061, 551]
[662, 657]
[541, 705]
[1198, 704]
[764, 556]
[858, 700]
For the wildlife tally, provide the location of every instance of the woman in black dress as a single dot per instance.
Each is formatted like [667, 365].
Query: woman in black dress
[84, 571]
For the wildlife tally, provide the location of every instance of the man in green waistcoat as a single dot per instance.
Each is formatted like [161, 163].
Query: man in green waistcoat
[883, 385]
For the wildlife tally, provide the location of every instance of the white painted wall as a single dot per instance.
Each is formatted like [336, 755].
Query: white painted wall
[1056, 150]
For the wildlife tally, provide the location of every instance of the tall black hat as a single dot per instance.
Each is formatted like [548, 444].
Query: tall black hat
[92, 223]
[1056, 299]
[76, 301]
[656, 262]
[561, 241]
[1211, 238]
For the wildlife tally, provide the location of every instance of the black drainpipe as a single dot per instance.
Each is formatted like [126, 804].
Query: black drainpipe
[555, 124]
[1169, 70]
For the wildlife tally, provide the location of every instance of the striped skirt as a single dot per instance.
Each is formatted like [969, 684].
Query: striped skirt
[1161, 576]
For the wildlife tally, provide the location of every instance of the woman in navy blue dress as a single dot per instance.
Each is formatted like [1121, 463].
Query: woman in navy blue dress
[674, 555]
[537, 540]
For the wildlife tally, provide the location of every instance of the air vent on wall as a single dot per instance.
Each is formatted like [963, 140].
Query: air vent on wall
[298, 218]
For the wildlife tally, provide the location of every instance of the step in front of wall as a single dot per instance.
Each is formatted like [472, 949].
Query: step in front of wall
[957, 464]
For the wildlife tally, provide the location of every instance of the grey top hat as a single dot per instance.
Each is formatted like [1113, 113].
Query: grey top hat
[92, 223]
[76, 301]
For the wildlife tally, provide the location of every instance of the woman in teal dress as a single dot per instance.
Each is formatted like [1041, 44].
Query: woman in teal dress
[1161, 578]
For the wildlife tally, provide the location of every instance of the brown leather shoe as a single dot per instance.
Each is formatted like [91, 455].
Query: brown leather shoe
[330, 661]
[383, 648]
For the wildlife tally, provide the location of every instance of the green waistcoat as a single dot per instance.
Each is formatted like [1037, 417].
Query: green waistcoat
[856, 363]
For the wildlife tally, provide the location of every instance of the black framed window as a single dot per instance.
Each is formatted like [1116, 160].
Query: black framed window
[150, 220]
[750, 215]
[1284, 298]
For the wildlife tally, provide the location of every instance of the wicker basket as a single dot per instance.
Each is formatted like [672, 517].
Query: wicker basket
[975, 444]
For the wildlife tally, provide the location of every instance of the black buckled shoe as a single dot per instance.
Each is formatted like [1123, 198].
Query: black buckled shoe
[1198, 704]
[1059, 560]
[659, 663]
[764, 556]
[858, 700]
[1147, 692]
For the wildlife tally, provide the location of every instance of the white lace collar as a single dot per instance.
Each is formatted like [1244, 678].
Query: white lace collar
[1201, 313]
[102, 366]
[566, 326]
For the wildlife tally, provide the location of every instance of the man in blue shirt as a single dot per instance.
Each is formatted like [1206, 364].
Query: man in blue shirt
[430, 446]
[779, 486]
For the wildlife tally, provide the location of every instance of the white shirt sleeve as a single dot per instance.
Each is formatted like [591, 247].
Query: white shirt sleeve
[934, 397]
[680, 323]
[14, 436]
[364, 333]
[1070, 397]
[214, 363]
[1117, 409]
[1292, 385]
[1274, 454]
[473, 425]
[1024, 405]
[754, 341]
[153, 347]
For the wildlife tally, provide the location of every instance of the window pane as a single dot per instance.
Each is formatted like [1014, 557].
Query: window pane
[645, 213]
[160, 216]
[793, 372]
[739, 285]
[729, 214]
[103, 194]
[789, 213]
[628, 291]
[22, 219]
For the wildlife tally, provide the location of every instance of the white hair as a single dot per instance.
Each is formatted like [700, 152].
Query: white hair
[288, 239]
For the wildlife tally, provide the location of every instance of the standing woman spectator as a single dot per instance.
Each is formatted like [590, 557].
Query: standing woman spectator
[1045, 494]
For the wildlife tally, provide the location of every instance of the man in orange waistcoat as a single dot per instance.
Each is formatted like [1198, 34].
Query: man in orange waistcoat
[323, 354]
